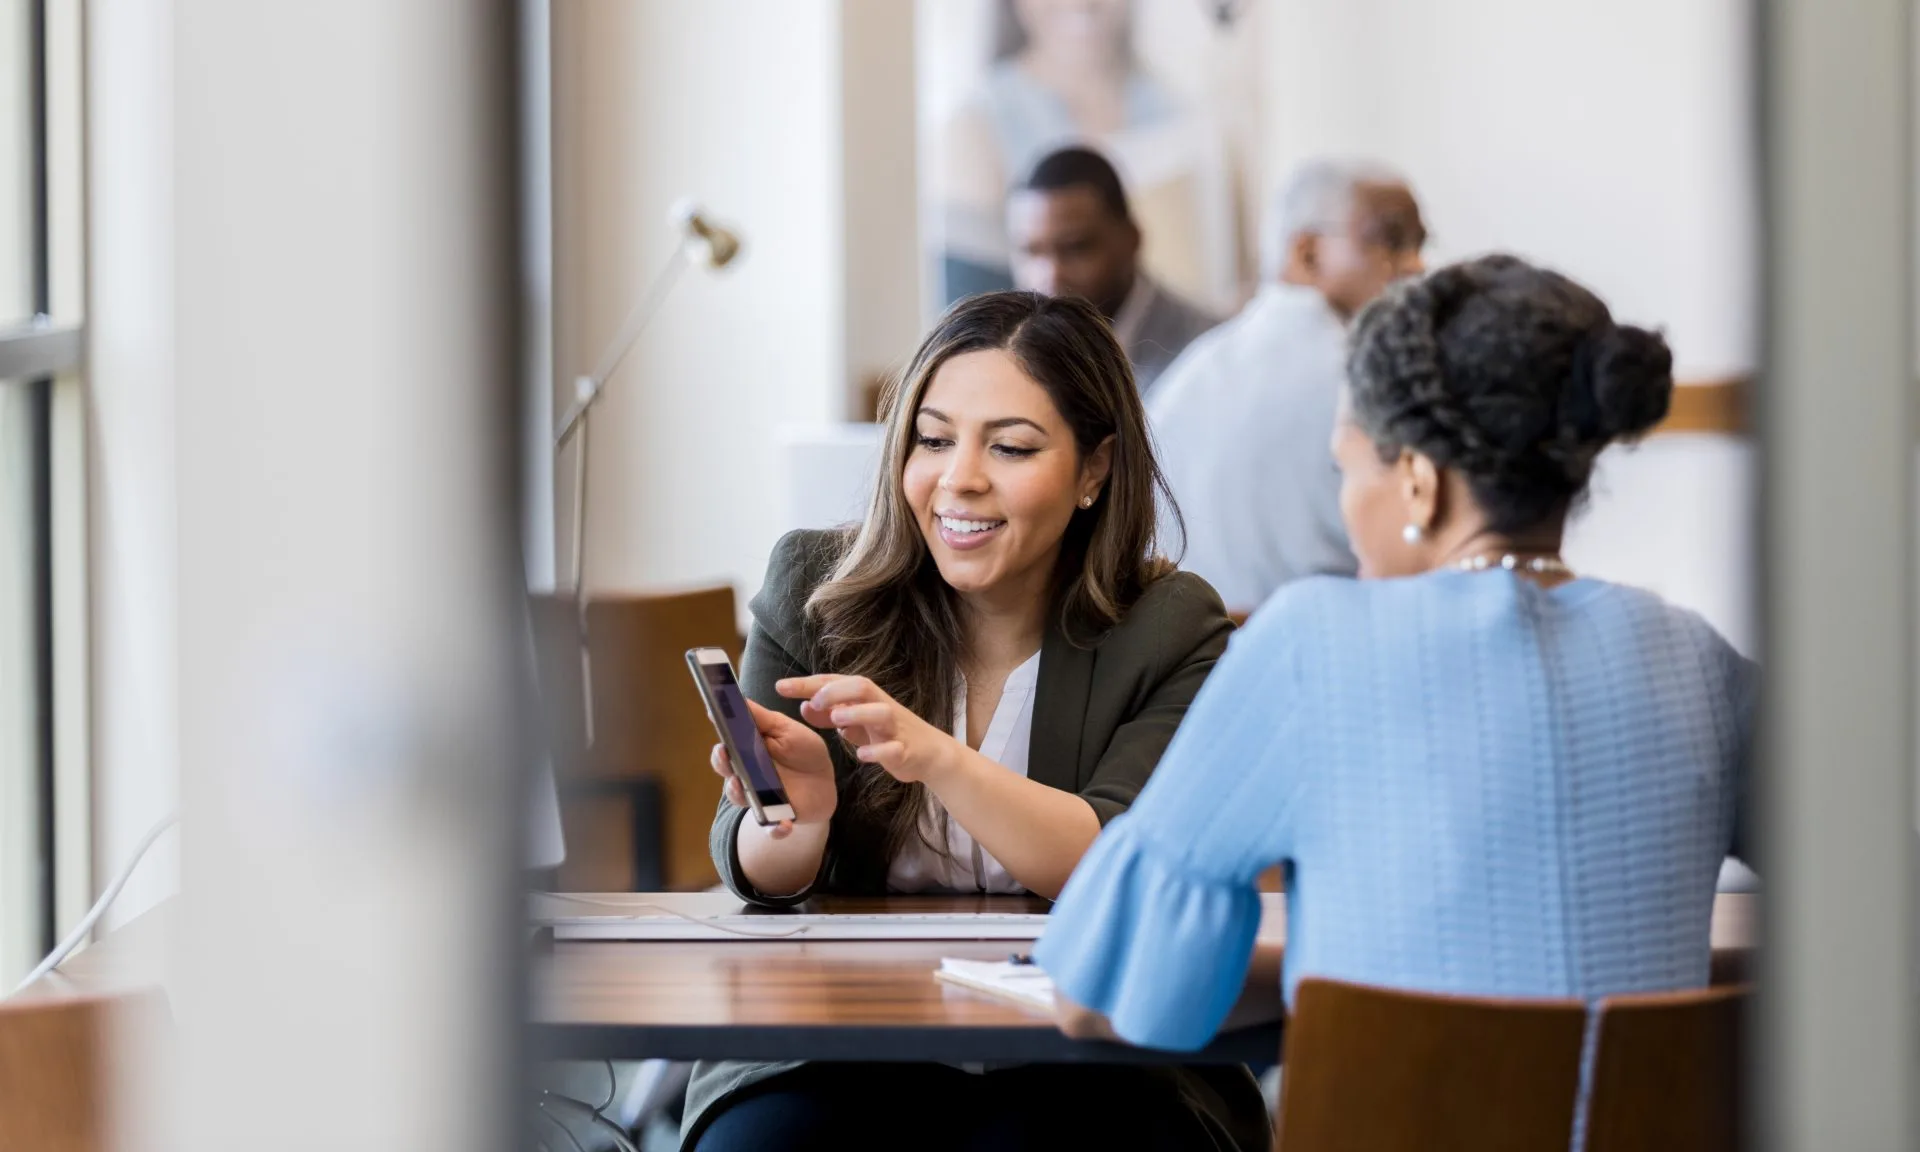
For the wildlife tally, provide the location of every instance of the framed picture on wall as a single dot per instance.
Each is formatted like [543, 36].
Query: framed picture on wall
[1167, 90]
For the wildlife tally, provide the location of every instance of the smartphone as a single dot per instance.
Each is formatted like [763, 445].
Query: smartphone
[739, 735]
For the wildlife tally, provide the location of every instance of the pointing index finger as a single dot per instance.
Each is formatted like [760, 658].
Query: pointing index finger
[802, 687]
[846, 690]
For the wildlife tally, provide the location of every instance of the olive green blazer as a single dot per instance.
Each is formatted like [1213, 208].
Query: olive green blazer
[1102, 716]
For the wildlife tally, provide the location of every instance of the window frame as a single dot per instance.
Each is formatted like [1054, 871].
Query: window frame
[32, 356]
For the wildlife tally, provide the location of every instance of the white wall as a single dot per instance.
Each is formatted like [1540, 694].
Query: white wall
[1675, 515]
[130, 450]
[1610, 139]
[883, 303]
[740, 104]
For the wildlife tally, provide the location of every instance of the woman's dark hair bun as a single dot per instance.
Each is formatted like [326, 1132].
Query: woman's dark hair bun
[1628, 373]
[1512, 375]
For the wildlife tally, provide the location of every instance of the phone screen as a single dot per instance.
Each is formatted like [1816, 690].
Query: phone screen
[724, 691]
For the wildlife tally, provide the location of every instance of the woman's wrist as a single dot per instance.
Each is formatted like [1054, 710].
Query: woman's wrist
[779, 866]
[947, 765]
[800, 836]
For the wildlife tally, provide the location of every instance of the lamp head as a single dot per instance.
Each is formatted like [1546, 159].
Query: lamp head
[707, 242]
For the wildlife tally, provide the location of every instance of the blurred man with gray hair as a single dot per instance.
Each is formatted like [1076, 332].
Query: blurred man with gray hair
[1242, 421]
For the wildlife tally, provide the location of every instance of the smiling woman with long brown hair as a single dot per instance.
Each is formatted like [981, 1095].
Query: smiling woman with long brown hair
[999, 654]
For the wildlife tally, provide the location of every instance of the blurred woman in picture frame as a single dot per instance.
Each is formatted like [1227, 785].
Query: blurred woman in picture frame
[1065, 72]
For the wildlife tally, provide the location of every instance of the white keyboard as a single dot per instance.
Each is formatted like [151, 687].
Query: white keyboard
[802, 926]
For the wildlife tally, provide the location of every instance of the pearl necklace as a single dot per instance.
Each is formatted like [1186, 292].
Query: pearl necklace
[1539, 565]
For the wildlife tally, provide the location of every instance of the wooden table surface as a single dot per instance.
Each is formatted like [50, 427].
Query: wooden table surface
[760, 999]
[851, 1000]
[820, 1000]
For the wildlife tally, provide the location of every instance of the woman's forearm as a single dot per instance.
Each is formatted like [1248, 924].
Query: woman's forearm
[783, 866]
[1260, 1002]
[1037, 833]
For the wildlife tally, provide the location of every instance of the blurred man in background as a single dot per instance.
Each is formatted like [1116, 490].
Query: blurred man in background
[1242, 421]
[1074, 234]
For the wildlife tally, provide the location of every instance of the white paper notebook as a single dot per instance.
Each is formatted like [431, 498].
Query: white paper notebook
[1028, 984]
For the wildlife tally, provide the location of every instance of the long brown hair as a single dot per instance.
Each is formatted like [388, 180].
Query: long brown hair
[886, 614]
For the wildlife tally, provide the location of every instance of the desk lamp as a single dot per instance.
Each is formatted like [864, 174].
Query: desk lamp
[701, 242]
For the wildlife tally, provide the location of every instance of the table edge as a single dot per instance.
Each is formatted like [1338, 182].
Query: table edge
[944, 1043]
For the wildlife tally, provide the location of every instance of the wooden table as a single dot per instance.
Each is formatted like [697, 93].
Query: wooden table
[853, 1000]
[758, 999]
[823, 1000]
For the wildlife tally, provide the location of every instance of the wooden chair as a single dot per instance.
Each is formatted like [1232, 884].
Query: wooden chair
[636, 806]
[56, 1068]
[1374, 1070]
[1666, 1072]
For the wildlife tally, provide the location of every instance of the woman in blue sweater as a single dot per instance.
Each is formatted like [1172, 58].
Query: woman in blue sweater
[1484, 774]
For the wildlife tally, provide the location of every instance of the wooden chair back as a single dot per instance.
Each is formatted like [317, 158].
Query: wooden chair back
[649, 730]
[1375, 1070]
[1666, 1072]
[56, 1068]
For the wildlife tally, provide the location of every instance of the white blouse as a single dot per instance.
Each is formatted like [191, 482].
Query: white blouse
[967, 867]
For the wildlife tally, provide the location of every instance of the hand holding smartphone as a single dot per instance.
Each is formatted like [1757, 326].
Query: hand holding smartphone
[746, 751]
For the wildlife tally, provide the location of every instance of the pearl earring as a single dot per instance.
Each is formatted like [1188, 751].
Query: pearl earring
[1413, 534]
[1086, 501]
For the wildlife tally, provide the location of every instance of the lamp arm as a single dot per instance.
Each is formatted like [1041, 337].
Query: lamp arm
[573, 425]
[587, 389]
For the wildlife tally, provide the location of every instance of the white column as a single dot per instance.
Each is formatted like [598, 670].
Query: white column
[1836, 1043]
[344, 299]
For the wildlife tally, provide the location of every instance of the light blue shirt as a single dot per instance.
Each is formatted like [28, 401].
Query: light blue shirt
[1242, 425]
[1479, 786]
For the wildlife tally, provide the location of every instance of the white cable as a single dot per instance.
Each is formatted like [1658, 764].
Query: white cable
[99, 906]
[626, 905]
